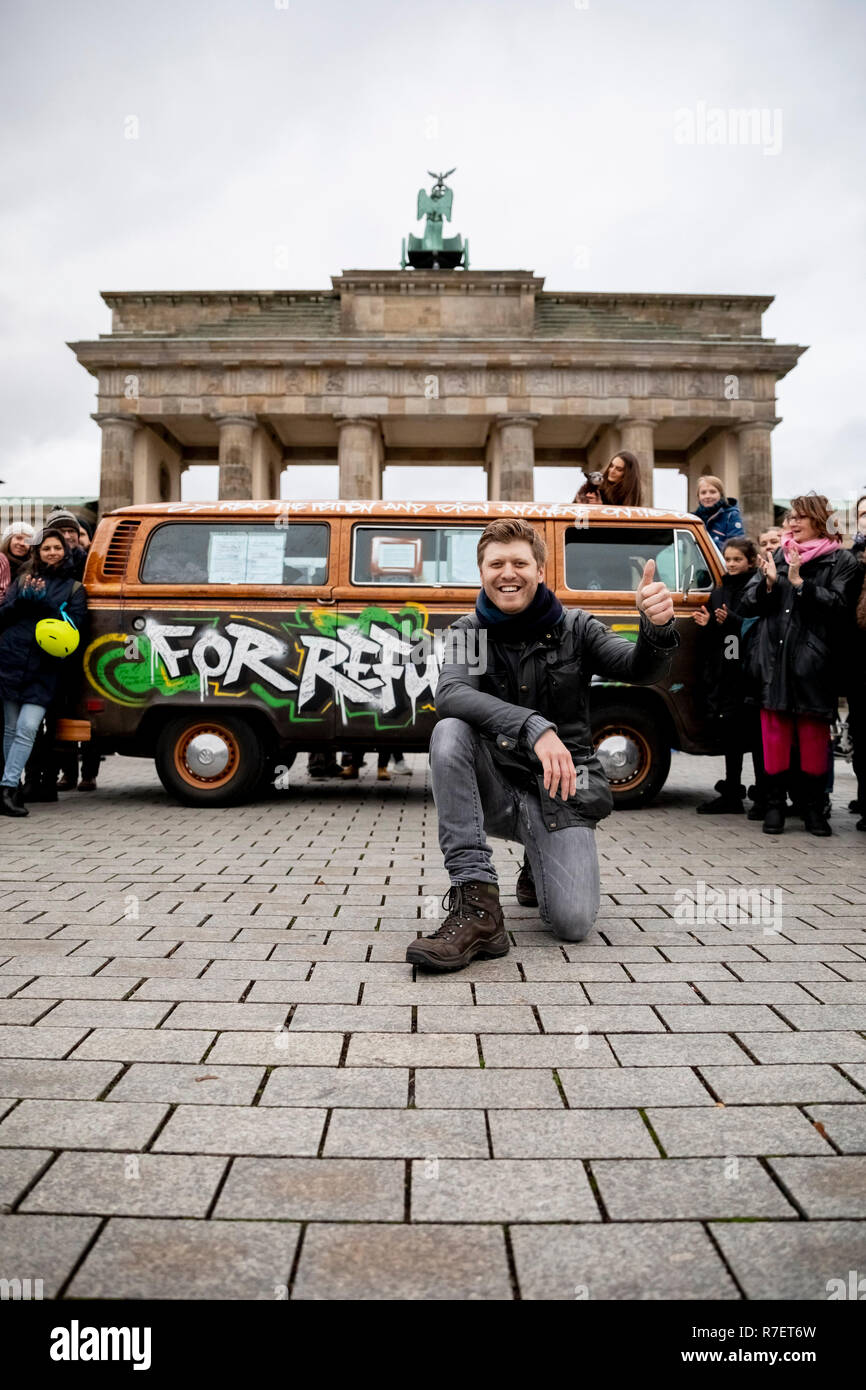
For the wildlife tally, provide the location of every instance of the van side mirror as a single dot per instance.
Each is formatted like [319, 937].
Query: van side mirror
[689, 580]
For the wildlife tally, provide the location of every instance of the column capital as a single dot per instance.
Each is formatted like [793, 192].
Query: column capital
[641, 421]
[740, 425]
[371, 421]
[107, 418]
[519, 418]
[235, 417]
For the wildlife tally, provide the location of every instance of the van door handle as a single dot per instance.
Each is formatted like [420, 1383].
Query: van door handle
[324, 600]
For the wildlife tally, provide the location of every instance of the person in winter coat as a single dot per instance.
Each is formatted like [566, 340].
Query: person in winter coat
[501, 766]
[856, 683]
[720, 514]
[804, 604]
[16, 543]
[30, 677]
[70, 529]
[723, 650]
[619, 487]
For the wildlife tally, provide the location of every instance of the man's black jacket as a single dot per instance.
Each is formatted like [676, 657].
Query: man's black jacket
[553, 674]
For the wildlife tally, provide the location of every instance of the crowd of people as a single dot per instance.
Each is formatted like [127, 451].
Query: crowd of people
[782, 638]
[40, 578]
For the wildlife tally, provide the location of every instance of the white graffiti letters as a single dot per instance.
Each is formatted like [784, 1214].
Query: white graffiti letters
[215, 656]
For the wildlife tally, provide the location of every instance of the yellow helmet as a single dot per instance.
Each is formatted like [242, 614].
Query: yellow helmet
[56, 637]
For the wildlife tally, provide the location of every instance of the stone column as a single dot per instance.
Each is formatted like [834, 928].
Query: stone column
[756, 475]
[359, 454]
[637, 437]
[236, 456]
[117, 471]
[516, 454]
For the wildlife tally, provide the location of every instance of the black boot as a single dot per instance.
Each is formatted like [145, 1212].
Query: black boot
[9, 805]
[757, 794]
[525, 892]
[728, 802]
[815, 808]
[774, 820]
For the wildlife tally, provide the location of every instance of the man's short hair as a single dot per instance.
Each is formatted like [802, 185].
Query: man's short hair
[513, 528]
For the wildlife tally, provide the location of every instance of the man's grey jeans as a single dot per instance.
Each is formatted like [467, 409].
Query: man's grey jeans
[473, 800]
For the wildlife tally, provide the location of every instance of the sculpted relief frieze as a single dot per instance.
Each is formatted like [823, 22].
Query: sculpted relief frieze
[557, 383]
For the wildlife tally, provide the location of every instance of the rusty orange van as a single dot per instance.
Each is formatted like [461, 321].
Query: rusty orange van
[226, 637]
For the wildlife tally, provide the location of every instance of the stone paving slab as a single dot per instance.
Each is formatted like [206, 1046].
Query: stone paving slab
[81, 1124]
[428, 1263]
[690, 1189]
[192, 1259]
[628, 1261]
[501, 1189]
[241, 1129]
[246, 1070]
[314, 1189]
[793, 1260]
[114, 1184]
[44, 1247]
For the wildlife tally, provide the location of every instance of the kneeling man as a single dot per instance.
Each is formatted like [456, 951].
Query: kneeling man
[512, 755]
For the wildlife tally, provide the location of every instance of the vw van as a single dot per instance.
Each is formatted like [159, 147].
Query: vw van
[227, 637]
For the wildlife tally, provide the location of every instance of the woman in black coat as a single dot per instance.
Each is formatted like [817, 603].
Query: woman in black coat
[804, 604]
[857, 673]
[30, 677]
[723, 647]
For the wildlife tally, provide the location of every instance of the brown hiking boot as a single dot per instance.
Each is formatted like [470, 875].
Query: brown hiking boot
[474, 927]
[525, 891]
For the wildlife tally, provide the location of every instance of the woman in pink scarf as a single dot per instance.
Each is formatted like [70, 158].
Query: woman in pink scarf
[805, 604]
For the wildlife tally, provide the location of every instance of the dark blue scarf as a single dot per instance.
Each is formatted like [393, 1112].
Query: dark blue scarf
[535, 621]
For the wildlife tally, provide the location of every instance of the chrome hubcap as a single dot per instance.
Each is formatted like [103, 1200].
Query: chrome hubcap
[620, 756]
[207, 755]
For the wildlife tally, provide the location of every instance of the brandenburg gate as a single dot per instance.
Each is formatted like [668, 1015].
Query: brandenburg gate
[433, 365]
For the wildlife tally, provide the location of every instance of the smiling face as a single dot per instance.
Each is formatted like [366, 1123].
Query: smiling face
[615, 470]
[510, 575]
[19, 546]
[770, 540]
[802, 527]
[51, 551]
[735, 560]
[708, 495]
[69, 532]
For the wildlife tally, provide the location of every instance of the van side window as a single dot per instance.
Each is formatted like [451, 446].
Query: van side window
[429, 555]
[207, 552]
[689, 553]
[602, 557]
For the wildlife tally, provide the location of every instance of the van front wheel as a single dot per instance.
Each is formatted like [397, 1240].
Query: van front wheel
[634, 751]
[209, 761]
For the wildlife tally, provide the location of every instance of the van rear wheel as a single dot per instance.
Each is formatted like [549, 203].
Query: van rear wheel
[209, 761]
[634, 751]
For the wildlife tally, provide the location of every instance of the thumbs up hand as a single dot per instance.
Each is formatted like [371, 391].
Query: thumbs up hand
[653, 597]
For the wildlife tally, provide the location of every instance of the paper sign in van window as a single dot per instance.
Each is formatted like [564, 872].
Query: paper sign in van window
[227, 557]
[265, 557]
[397, 556]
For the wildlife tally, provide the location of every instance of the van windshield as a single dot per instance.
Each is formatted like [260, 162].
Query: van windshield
[423, 555]
[601, 557]
[208, 552]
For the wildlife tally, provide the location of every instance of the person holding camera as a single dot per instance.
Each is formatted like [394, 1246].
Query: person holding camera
[618, 486]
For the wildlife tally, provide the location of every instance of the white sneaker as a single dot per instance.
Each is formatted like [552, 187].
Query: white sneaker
[401, 767]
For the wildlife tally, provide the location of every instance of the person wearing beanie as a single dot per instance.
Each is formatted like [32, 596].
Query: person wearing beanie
[16, 543]
[70, 528]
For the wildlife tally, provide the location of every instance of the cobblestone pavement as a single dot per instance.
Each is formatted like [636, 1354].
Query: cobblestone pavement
[222, 1080]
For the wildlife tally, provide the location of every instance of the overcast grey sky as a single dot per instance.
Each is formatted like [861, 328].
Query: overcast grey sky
[299, 133]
